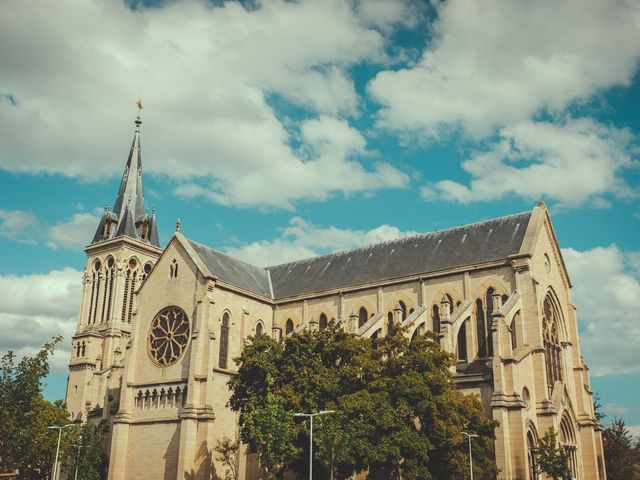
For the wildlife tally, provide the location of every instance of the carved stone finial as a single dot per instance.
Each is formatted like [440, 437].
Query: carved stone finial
[138, 119]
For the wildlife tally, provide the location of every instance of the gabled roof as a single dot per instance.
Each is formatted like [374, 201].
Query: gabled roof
[472, 244]
[233, 271]
[420, 254]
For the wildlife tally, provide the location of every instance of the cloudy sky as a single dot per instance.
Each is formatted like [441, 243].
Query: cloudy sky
[278, 130]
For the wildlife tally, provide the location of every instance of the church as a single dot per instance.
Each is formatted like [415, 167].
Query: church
[158, 328]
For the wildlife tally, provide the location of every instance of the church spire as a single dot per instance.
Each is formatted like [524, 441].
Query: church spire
[128, 217]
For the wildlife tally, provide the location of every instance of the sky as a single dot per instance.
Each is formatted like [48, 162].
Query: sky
[279, 130]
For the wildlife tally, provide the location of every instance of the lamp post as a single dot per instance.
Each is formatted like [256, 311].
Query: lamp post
[470, 436]
[55, 463]
[75, 477]
[311, 415]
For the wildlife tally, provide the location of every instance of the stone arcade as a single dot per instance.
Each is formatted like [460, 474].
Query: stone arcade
[157, 330]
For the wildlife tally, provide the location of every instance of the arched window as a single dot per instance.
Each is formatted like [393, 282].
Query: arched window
[568, 443]
[288, 328]
[481, 328]
[489, 312]
[390, 320]
[224, 341]
[259, 329]
[531, 454]
[323, 321]
[130, 280]
[363, 316]
[403, 308]
[435, 315]
[451, 304]
[95, 291]
[551, 337]
[462, 343]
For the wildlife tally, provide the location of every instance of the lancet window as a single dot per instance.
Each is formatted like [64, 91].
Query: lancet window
[224, 341]
[551, 338]
[568, 443]
[435, 317]
[531, 455]
[259, 330]
[461, 350]
[96, 277]
[403, 309]
[483, 311]
[288, 328]
[363, 316]
[130, 281]
[323, 321]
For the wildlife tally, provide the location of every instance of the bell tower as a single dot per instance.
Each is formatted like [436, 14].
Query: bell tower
[121, 255]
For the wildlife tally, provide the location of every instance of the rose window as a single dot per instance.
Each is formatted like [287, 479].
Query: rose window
[168, 336]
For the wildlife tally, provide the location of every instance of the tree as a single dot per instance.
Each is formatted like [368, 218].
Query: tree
[26, 443]
[398, 414]
[622, 456]
[227, 453]
[551, 458]
[86, 452]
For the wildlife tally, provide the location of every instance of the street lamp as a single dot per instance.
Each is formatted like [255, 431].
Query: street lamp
[470, 436]
[55, 463]
[311, 415]
[77, 459]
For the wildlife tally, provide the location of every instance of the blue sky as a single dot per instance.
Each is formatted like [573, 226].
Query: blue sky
[289, 129]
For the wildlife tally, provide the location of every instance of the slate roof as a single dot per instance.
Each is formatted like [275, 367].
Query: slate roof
[427, 253]
[129, 213]
[234, 271]
[481, 242]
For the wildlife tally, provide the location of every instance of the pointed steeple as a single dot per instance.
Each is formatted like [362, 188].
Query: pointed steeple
[128, 217]
[131, 183]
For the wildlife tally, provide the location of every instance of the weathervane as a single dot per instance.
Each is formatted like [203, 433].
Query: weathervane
[139, 105]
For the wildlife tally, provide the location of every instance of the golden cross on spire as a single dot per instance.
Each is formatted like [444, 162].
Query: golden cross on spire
[139, 105]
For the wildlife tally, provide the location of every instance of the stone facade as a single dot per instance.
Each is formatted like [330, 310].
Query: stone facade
[506, 314]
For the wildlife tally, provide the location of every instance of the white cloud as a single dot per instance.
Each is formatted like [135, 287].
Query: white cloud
[35, 308]
[497, 62]
[571, 163]
[72, 234]
[17, 224]
[607, 297]
[328, 166]
[75, 233]
[204, 74]
[302, 239]
[634, 430]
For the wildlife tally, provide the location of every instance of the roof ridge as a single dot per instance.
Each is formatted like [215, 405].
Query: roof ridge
[399, 239]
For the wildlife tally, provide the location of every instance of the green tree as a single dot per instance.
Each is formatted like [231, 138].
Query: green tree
[551, 458]
[86, 452]
[227, 453]
[398, 414]
[26, 443]
[622, 455]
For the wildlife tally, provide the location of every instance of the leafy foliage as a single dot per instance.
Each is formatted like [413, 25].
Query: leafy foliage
[26, 443]
[622, 456]
[551, 459]
[398, 414]
[86, 452]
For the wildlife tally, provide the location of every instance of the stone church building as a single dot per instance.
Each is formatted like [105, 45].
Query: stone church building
[158, 327]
